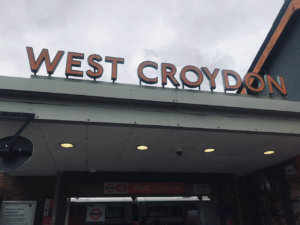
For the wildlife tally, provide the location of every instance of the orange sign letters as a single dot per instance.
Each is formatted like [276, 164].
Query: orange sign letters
[168, 72]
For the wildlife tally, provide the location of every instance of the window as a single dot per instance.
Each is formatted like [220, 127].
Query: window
[72, 211]
[164, 211]
[156, 211]
[114, 212]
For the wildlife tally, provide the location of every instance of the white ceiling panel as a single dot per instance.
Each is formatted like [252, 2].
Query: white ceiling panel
[19, 172]
[112, 148]
[105, 145]
[129, 165]
[188, 136]
[55, 134]
[72, 165]
[9, 128]
[103, 157]
[105, 165]
[147, 134]
[100, 132]
[37, 168]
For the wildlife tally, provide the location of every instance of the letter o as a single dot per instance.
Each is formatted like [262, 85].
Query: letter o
[259, 79]
[188, 83]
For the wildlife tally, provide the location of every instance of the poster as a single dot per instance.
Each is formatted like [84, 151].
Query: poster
[95, 213]
[270, 204]
[193, 217]
[18, 212]
[294, 187]
[48, 209]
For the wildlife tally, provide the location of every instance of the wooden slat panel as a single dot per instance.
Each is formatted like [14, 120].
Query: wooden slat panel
[294, 5]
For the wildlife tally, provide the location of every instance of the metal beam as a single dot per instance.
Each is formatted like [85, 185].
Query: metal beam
[30, 116]
[70, 88]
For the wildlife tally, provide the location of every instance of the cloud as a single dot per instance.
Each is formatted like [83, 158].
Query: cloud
[223, 34]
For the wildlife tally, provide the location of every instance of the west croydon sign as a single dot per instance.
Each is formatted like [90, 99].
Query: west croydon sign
[168, 72]
[143, 188]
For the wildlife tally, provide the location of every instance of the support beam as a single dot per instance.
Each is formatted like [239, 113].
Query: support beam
[235, 202]
[67, 211]
[60, 200]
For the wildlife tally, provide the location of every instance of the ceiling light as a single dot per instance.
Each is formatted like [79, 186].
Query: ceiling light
[66, 145]
[209, 150]
[269, 152]
[142, 147]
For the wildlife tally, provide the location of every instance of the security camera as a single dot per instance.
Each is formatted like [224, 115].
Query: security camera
[93, 171]
[179, 151]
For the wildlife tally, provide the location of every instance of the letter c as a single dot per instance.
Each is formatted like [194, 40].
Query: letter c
[141, 74]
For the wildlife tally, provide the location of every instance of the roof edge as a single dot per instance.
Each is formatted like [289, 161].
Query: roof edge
[284, 15]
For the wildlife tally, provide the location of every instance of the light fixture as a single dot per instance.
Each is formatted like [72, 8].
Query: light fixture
[209, 150]
[142, 147]
[66, 145]
[269, 152]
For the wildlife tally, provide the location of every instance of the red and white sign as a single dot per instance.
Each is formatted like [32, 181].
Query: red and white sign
[143, 188]
[95, 213]
[48, 209]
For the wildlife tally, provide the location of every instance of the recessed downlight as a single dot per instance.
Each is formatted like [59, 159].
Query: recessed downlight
[269, 152]
[209, 150]
[66, 145]
[142, 147]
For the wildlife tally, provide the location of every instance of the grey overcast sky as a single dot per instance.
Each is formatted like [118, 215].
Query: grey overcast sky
[223, 34]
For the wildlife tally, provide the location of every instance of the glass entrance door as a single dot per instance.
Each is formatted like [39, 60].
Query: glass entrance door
[190, 214]
[77, 214]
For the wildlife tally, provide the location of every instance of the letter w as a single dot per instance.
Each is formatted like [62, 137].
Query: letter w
[44, 56]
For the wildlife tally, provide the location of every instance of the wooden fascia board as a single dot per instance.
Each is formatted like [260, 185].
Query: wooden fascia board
[294, 5]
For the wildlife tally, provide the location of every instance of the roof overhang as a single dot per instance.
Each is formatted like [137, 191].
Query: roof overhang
[107, 121]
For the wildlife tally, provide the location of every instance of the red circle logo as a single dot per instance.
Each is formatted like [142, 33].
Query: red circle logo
[110, 188]
[95, 214]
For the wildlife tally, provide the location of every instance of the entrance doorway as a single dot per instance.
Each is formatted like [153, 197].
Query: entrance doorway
[77, 214]
[94, 211]
[126, 211]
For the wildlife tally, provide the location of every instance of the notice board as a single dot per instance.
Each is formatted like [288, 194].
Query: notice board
[17, 212]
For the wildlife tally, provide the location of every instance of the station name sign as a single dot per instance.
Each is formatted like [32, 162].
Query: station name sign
[253, 82]
[143, 188]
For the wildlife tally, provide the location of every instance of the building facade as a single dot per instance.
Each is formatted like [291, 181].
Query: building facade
[107, 122]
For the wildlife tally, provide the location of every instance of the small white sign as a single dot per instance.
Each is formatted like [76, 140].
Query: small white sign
[202, 189]
[290, 170]
[46, 208]
[18, 212]
[95, 213]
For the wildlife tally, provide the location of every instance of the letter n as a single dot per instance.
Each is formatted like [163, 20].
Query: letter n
[279, 85]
